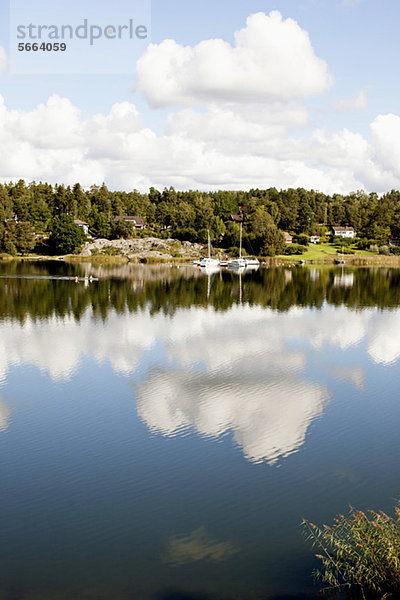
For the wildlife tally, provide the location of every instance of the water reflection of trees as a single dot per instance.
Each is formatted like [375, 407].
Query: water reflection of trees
[165, 289]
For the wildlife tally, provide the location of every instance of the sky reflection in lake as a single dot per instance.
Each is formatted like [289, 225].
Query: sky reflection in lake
[242, 370]
[156, 434]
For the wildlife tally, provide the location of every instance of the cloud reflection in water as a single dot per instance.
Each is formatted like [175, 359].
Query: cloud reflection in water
[197, 545]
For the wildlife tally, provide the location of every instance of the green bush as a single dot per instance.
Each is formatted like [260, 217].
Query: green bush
[294, 249]
[338, 240]
[364, 243]
[301, 239]
[359, 553]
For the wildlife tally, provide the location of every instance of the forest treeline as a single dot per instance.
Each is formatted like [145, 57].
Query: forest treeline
[43, 209]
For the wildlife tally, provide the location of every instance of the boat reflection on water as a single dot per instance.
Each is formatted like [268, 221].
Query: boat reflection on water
[243, 268]
[209, 269]
[240, 271]
[236, 268]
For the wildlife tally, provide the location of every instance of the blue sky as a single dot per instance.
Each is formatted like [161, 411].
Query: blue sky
[357, 41]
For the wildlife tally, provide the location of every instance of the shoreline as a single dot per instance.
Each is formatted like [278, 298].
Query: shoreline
[277, 261]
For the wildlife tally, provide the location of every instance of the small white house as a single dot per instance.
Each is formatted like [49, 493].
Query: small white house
[344, 232]
[13, 219]
[82, 225]
[288, 237]
[314, 239]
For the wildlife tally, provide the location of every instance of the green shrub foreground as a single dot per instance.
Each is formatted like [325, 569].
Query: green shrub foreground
[360, 553]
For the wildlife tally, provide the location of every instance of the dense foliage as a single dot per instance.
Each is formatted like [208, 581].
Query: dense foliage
[66, 237]
[360, 553]
[189, 215]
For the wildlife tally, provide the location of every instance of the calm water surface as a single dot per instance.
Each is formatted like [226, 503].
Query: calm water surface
[162, 432]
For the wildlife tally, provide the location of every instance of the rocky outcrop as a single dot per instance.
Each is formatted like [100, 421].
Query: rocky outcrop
[139, 248]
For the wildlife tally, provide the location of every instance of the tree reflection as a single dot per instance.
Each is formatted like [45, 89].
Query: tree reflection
[167, 289]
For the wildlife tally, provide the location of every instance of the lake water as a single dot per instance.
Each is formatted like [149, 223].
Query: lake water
[162, 432]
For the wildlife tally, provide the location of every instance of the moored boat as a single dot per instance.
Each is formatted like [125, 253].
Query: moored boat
[238, 263]
[251, 261]
[207, 261]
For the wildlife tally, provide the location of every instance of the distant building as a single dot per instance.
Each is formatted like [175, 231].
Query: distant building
[288, 237]
[344, 232]
[314, 239]
[137, 222]
[13, 219]
[237, 218]
[83, 225]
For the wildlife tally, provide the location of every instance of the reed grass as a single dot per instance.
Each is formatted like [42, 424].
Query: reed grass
[359, 553]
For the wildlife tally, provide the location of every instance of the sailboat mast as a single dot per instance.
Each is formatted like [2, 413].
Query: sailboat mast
[209, 245]
[240, 246]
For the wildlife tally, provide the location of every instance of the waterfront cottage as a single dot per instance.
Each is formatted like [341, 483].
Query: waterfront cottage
[314, 239]
[82, 225]
[136, 222]
[288, 237]
[237, 218]
[344, 232]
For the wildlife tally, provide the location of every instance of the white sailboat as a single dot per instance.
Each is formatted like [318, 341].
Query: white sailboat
[252, 262]
[238, 263]
[208, 262]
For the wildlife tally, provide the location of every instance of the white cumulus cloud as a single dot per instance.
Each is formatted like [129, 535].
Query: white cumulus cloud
[359, 102]
[272, 59]
[385, 136]
[241, 124]
[231, 147]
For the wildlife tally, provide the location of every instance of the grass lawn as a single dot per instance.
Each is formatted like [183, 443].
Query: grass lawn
[324, 252]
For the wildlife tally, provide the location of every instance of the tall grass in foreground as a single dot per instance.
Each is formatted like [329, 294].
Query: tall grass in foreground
[360, 553]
